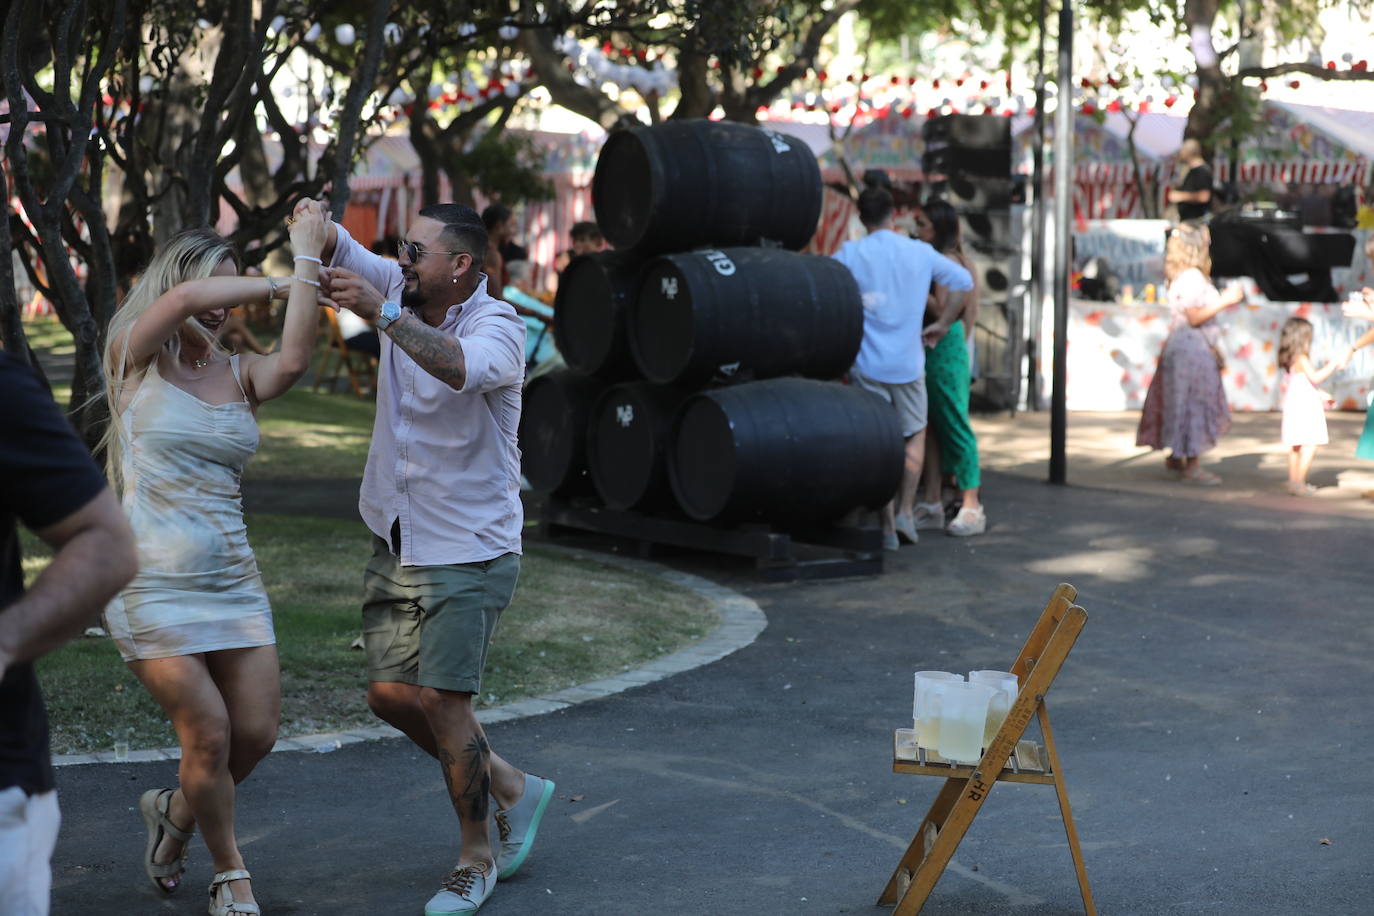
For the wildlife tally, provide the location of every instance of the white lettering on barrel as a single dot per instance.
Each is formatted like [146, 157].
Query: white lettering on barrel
[669, 287]
[729, 368]
[779, 144]
[625, 414]
[720, 261]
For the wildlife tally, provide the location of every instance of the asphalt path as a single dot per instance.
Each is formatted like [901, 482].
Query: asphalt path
[1213, 723]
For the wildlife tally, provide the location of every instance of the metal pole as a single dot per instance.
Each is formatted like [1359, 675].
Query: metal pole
[1063, 229]
[1038, 214]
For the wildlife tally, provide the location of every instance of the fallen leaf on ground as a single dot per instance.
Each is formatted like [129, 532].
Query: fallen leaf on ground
[577, 798]
[1324, 841]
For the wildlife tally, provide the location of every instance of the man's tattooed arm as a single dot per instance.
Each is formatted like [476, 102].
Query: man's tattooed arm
[434, 350]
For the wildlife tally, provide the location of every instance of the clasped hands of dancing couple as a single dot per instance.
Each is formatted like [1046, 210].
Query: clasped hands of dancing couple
[195, 625]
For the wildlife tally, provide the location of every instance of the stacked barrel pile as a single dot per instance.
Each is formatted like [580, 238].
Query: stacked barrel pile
[701, 379]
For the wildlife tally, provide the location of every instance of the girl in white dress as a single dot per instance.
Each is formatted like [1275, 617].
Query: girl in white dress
[1304, 404]
[194, 625]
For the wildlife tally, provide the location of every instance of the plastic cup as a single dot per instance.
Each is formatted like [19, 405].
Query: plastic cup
[963, 716]
[1007, 687]
[925, 710]
[121, 744]
[904, 746]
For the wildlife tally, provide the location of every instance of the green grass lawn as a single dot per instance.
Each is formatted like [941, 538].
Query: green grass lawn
[312, 434]
[572, 620]
[46, 334]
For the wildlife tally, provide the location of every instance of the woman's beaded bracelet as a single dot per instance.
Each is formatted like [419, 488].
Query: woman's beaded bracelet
[314, 283]
[306, 257]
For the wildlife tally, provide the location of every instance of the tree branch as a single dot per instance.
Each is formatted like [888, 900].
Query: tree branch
[359, 87]
[763, 93]
[1316, 70]
[549, 66]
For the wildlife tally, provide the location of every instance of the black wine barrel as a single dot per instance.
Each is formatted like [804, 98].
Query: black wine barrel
[553, 432]
[784, 451]
[745, 312]
[589, 316]
[627, 444]
[683, 184]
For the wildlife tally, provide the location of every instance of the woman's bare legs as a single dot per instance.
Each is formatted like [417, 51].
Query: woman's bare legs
[1192, 470]
[224, 707]
[933, 479]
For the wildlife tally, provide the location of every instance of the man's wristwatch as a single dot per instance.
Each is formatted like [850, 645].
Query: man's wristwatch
[390, 311]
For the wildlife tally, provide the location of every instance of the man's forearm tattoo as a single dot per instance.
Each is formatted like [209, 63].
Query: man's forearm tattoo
[435, 351]
[469, 779]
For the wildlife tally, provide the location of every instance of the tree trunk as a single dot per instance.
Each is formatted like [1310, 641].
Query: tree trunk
[68, 112]
[11, 321]
[350, 117]
[1208, 109]
[424, 142]
[548, 66]
[167, 127]
[695, 98]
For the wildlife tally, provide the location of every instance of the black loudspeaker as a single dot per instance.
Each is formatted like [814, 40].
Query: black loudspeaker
[1286, 263]
[989, 246]
[1345, 208]
[968, 146]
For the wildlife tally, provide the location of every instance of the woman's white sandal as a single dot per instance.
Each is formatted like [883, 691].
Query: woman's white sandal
[160, 827]
[229, 906]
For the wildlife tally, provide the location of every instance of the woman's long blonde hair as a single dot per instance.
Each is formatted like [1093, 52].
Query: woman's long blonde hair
[1189, 246]
[190, 255]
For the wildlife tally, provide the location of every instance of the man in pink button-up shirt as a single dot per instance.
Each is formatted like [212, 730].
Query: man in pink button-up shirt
[441, 495]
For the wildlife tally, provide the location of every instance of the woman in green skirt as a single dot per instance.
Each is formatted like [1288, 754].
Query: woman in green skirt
[953, 449]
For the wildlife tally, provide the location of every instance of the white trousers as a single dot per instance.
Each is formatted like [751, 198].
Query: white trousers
[28, 833]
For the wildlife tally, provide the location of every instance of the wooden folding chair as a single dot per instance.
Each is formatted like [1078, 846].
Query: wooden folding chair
[362, 378]
[1007, 759]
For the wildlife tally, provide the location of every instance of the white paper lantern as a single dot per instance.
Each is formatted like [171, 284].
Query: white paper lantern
[435, 90]
[508, 31]
[344, 34]
[276, 25]
[145, 83]
[203, 24]
[391, 32]
[467, 30]
[313, 33]
[512, 90]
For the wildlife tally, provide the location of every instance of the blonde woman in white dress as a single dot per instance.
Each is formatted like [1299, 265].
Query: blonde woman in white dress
[194, 625]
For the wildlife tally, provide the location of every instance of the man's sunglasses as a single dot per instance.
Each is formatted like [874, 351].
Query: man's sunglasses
[413, 252]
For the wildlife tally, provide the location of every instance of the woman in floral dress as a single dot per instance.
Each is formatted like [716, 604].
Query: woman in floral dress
[1185, 408]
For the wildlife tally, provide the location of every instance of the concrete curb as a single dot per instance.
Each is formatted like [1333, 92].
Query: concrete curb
[741, 621]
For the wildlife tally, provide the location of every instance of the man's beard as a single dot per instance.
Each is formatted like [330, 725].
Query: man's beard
[413, 299]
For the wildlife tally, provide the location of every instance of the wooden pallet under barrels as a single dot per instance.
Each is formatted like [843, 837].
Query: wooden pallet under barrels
[1008, 757]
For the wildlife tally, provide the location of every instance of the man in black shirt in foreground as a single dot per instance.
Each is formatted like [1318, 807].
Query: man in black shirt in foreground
[50, 484]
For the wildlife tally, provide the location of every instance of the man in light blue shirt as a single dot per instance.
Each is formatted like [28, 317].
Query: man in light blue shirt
[894, 274]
